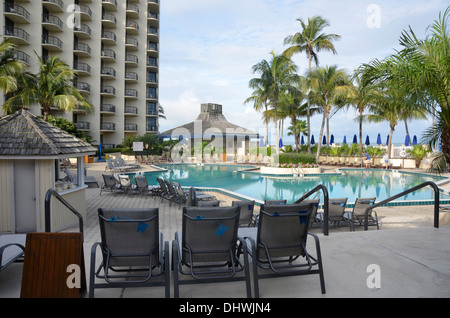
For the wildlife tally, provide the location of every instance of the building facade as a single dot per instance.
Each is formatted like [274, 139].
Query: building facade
[113, 45]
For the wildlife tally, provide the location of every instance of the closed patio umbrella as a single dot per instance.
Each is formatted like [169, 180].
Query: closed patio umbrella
[303, 141]
[367, 140]
[407, 140]
[261, 142]
[324, 140]
[379, 139]
[387, 140]
[332, 139]
[280, 143]
[355, 140]
[345, 140]
[312, 140]
[414, 140]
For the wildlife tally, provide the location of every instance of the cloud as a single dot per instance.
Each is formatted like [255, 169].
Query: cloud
[208, 47]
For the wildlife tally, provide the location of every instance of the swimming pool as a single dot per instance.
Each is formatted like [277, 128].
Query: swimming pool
[351, 183]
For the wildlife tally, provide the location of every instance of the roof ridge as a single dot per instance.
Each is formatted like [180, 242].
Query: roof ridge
[38, 130]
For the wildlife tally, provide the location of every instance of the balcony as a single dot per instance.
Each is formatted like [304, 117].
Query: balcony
[52, 23]
[82, 31]
[132, 11]
[110, 5]
[109, 20]
[84, 87]
[52, 43]
[81, 49]
[83, 125]
[84, 11]
[131, 77]
[109, 38]
[131, 93]
[152, 62]
[152, 78]
[130, 127]
[108, 72]
[131, 43]
[108, 55]
[107, 91]
[82, 68]
[131, 59]
[151, 128]
[153, 6]
[131, 110]
[107, 109]
[53, 5]
[22, 56]
[16, 13]
[17, 35]
[132, 27]
[152, 34]
[153, 19]
[107, 127]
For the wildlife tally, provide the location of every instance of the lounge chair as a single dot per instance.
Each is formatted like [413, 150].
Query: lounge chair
[173, 196]
[12, 248]
[246, 212]
[110, 183]
[206, 248]
[356, 216]
[142, 186]
[336, 209]
[88, 180]
[313, 220]
[121, 168]
[278, 244]
[126, 185]
[122, 163]
[133, 251]
[164, 193]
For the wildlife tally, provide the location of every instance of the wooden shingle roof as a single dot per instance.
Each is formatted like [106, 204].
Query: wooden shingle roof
[23, 134]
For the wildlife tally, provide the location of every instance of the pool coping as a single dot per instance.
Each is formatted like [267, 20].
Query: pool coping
[251, 169]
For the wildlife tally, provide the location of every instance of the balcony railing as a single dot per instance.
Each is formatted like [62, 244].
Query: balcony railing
[59, 3]
[131, 92]
[84, 9]
[131, 58]
[52, 40]
[107, 108]
[16, 9]
[131, 76]
[132, 41]
[131, 127]
[108, 71]
[151, 128]
[108, 90]
[109, 53]
[109, 35]
[18, 33]
[131, 110]
[52, 19]
[107, 126]
[84, 86]
[22, 56]
[109, 17]
[82, 47]
[84, 67]
[114, 2]
[83, 125]
[83, 28]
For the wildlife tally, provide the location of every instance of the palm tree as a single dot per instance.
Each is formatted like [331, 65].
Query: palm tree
[52, 87]
[276, 76]
[260, 99]
[330, 86]
[429, 72]
[10, 68]
[310, 40]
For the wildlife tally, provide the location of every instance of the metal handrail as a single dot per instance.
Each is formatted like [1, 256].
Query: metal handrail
[325, 204]
[48, 195]
[427, 183]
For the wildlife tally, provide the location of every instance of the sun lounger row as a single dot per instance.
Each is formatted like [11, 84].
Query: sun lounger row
[338, 214]
[119, 165]
[208, 248]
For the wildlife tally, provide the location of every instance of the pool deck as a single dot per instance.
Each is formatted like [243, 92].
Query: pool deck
[412, 256]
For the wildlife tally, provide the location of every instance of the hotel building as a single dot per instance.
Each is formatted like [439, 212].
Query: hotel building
[113, 45]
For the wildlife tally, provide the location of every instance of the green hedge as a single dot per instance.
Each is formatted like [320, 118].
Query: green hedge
[296, 158]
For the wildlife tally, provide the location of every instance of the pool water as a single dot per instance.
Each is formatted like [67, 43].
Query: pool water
[351, 184]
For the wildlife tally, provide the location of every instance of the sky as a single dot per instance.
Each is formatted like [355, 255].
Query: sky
[208, 47]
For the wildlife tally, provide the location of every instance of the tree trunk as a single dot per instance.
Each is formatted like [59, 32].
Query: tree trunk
[360, 135]
[320, 137]
[445, 143]
[308, 115]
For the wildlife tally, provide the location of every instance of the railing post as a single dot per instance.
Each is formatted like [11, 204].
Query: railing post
[325, 204]
[427, 183]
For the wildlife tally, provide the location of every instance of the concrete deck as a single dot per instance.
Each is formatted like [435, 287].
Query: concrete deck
[412, 256]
